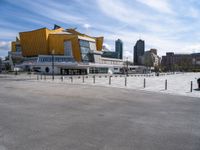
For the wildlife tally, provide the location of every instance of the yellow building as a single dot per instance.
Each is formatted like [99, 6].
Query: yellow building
[59, 41]
[63, 51]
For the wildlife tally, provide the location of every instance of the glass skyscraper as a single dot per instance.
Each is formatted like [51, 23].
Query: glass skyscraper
[138, 52]
[119, 48]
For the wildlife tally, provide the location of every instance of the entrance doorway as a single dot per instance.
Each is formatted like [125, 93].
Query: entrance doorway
[74, 71]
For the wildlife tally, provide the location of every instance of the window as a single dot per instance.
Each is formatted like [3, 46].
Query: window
[85, 49]
[84, 43]
[115, 69]
[94, 70]
[47, 69]
[93, 46]
[68, 48]
[18, 48]
[85, 57]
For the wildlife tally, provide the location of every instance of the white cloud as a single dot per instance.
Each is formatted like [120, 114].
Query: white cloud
[193, 12]
[4, 45]
[166, 31]
[52, 10]
[86, 25]
[159, 5]
[107, 46]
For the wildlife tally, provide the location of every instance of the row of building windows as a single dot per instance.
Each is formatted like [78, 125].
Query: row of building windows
[56, 59]
[112, 62]
[98, 70]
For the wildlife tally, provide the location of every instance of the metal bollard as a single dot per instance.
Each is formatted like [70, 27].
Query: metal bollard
[37, 77]
[45, 77]
[191, 86]
[83, 79]
[71, 79]
[109, 80]
[125, 81]
[41, 76]
[62, 78]
[165, 84]
[144, 83]
[94, 79]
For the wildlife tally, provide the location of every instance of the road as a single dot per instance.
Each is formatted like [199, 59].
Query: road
[53, 116]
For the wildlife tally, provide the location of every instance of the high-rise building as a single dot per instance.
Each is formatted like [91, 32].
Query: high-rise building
[138, 52]
[0, 65]
[119, 48]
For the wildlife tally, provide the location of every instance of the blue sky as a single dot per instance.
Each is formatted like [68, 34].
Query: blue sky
[168, 25]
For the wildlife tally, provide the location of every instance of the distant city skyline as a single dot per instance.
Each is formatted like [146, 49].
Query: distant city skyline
[167, 25]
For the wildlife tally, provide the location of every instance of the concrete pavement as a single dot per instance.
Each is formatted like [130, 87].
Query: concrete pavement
[52, 116]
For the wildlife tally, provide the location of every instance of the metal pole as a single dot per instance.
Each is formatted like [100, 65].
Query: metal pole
[144, 83]
[62, 78]
[71, 79]
[37, 77]
[191, 86]
[109, 80]
[165, 84]
[52, 66]
[83, 79]
[125, 80]
[127, 66]
[94, 79]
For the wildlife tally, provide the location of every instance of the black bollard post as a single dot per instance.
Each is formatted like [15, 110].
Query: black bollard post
[165, 84]
[144, 83]
[125, 80]
[83, 79]
[109, 80]
[191, 86]
[37, 77]
[71, 79]
[94, 79]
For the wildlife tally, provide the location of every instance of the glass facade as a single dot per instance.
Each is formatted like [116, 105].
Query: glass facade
[119, 48]
[68, 48]
[18, 48]
[86, 47]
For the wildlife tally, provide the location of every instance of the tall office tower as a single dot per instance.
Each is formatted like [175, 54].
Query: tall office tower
[119, 48]
[138, 52]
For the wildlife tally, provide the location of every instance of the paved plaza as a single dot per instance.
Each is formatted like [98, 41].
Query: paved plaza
[177, 84]
[36, 115]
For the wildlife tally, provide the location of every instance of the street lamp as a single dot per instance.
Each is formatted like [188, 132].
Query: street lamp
[127, 66]
[52, 54]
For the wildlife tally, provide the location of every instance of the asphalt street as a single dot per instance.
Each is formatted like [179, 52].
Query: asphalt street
[53, 116]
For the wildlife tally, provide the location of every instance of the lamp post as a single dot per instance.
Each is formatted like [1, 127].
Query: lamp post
[52, 54]
[127, 66]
